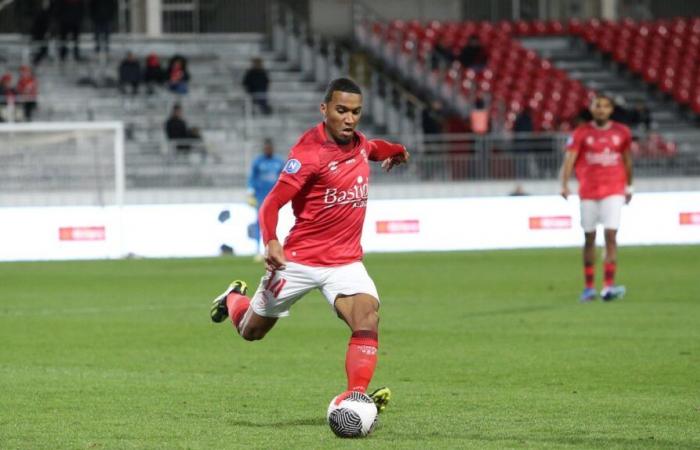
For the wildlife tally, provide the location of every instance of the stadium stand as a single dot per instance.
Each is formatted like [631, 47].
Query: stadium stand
[540, 65]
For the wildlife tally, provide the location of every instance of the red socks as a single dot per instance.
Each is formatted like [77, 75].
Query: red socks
[237, 305]
[608, 271]
[361, 359]
[610, 274]
[588, 274]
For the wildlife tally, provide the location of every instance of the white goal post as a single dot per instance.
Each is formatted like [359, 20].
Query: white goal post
[62, 163]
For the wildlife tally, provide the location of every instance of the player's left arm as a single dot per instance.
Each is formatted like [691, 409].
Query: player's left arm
[390, 154]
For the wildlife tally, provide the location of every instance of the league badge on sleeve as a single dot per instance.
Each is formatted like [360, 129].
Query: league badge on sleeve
[292, 166]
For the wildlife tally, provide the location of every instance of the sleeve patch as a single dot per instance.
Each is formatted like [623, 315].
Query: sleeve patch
[293, 166]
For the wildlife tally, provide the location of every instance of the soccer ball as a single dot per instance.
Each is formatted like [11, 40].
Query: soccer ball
[352, 414]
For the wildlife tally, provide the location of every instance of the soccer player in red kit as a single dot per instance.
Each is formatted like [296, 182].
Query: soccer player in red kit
[326, 177]
[599, 152]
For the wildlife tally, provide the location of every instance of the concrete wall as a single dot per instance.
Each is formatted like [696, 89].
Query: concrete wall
[334, 17]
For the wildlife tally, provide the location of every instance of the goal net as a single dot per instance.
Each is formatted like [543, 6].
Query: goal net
[62, 164]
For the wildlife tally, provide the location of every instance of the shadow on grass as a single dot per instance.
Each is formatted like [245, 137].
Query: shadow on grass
[524, 309]
[472, 440]
[280, 424]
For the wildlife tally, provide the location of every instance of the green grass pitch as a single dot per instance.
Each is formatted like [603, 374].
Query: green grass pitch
[481, 350]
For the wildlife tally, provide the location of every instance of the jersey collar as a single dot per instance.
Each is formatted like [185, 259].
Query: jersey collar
[606, 127]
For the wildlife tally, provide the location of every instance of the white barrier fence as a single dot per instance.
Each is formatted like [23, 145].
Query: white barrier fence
[58, 233]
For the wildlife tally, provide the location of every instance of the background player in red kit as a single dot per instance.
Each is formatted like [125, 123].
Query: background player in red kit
[599, 152]
[326, 177]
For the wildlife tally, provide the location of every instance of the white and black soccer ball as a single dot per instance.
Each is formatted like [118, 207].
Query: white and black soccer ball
[352, 414]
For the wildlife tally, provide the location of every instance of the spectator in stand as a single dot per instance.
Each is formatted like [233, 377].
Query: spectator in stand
[129, 74]
[479, 117]
[433, 118]
[186, 138]
[27, 91]
[178, 75]
[523, 127]
[102, 13]
[441, 56]
[640, 117]
[523, 121]
[69, 14]
[459, 150]
[40, 34]
[7, 98]
[472, 54]
[256, 83]
[153, 74]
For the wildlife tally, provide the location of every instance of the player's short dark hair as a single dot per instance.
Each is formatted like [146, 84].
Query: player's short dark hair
[604, 97]
[342, 85]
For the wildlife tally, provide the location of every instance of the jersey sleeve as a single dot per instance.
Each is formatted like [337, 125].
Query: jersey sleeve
[379, 149]
[268, 216]
[301, 166]
[573, 142]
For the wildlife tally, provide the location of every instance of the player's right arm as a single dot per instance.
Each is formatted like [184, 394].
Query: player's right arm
[279, 196]
[573, 145]
[301, 166]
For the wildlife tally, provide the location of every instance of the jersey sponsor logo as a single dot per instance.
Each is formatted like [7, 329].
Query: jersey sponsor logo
[355, 196]
[550, 223]
[82, 233]
[397, 226]
[605, 158]
[689, 218]
[363, 152]
[293, 166]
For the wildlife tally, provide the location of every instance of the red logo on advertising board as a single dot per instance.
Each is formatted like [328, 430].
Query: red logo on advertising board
[689, 218]
[550, 223]
[397, 226]
[82, 233]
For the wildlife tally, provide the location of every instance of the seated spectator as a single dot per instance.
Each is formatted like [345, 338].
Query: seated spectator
[8, 95]
[186, 138]
[178, 75]
[472, 54]
[640, 116]
[256, 83]
[27, 91]
[153, 74]
[129, 74]
[441, 56]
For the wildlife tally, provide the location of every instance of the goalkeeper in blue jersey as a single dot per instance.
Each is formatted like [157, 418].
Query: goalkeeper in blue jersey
[263, 175]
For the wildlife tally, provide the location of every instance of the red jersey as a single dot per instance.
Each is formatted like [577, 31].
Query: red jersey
[330, 204]
[599, 166]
